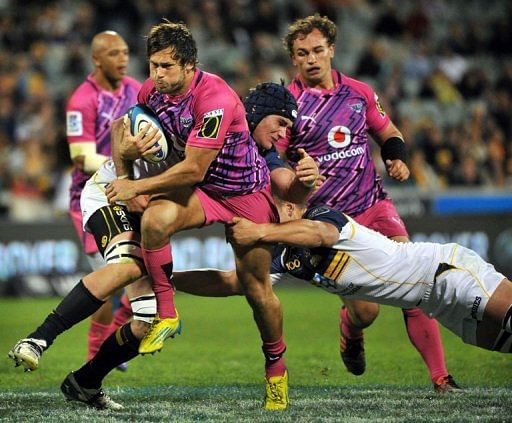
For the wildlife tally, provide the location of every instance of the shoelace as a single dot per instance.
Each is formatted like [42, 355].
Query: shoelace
[275, 392]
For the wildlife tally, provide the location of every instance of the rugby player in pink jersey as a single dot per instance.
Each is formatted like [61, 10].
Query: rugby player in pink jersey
[336, 115]
[219, 174]
[104, 96]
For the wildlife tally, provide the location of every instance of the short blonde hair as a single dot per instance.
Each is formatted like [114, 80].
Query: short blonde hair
[304, 26]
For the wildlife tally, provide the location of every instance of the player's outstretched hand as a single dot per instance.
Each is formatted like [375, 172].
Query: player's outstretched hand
[398, 170]
[121, 190]
[306, 169]
[242, 232]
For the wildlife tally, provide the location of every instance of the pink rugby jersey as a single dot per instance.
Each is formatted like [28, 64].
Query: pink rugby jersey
[211, 115]
[332, 126]
[89, 115]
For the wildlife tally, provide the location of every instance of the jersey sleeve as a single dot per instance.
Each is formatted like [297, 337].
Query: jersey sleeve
[81, 117]
[376, 118]
[214, 110]
[277, 262]
[272, 158]
[327, 215]
[145, 90]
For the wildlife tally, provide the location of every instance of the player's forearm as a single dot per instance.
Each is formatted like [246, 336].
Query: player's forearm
[298, 192]
[287, 186]
[123, 167]
[299, 233]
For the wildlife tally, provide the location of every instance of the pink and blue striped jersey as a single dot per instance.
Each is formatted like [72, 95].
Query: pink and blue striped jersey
[89, 115]
[332, 126]
[211, 115]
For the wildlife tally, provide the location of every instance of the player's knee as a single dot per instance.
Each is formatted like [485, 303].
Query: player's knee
[124, 273]
[363, 314]
[157, 224]
[260, 297]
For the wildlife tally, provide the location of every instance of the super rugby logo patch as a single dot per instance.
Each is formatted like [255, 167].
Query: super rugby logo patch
[74, 126]
[379, 106]
[211, 124]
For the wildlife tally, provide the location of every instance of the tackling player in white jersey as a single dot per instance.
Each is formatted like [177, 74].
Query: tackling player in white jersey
[447, 281]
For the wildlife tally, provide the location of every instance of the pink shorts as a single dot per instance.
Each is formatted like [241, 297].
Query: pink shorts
[258, 207]
[383, 217]
[86, 238]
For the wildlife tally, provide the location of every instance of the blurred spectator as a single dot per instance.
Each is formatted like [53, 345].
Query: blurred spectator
[373, 60]
[388, 22]
[469, 174]
[423, 175]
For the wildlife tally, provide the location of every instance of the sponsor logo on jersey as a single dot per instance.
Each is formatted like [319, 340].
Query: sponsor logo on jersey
[340, 155]
[121, 214]
[186, 121]
[323, 282]
[350, 289]
[74, 124]
[293, 264]
[317, 211]
[357, 107]
[474, 309]
[379, 106]
[339, 136]
[311, 118]
[211, 124]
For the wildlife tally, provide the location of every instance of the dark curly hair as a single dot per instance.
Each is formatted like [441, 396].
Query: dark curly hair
[175, 35]
[304, 26]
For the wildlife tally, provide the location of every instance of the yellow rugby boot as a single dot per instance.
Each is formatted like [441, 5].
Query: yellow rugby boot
[160, 330]
[276, 395]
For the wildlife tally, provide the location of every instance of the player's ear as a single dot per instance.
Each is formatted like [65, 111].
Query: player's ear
[96, 62]
[290, 208]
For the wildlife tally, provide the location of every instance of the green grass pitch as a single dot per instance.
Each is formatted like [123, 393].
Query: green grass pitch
[214, 370]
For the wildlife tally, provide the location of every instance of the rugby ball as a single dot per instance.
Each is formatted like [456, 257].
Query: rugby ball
[140, 115]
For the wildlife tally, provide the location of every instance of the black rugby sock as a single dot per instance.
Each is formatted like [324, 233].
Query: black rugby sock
[118, 348]
[75, 307]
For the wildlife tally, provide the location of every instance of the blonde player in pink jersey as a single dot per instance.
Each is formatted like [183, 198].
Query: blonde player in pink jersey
[104, 96]
[336, 116]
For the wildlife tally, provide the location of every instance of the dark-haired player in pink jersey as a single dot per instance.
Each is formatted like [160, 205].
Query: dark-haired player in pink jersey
[336, 115]
[104, 96]
[218, 174]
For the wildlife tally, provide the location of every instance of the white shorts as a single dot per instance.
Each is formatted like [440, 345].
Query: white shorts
[93, 195]
[459, 295]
